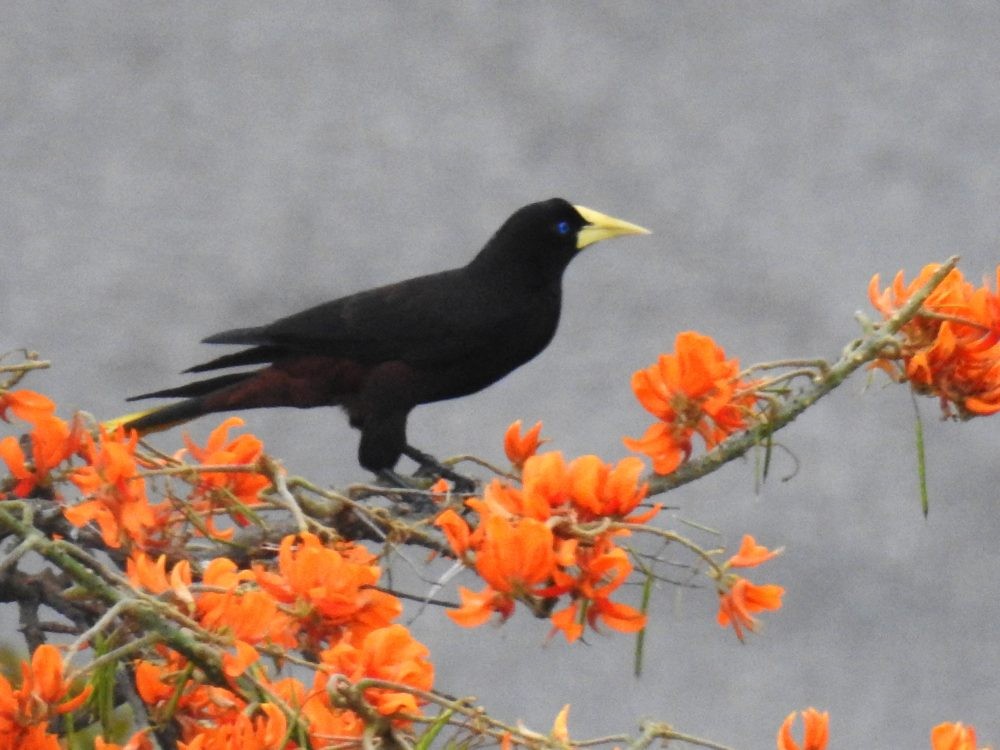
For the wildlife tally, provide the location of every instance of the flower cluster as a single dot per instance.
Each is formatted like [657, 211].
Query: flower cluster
[112, 476]
[52, 441]
[26, 711]
[951, 348]
[816, 733]
[330, 589]
[115, 493]
[316, 598]
[547, 537]
[695, 390]
[231, 491]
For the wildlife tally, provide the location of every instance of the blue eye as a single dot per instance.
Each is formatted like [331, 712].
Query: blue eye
[563, 227]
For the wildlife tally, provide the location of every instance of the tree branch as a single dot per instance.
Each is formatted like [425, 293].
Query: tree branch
[858, 353]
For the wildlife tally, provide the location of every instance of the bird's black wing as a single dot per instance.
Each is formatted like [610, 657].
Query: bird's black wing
[429, 320]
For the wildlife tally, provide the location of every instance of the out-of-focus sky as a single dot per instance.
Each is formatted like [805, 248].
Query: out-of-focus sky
[174, 169]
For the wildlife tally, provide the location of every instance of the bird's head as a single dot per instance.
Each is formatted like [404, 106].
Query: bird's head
[544, 237]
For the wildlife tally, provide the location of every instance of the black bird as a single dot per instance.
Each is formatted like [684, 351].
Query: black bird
[381, 352]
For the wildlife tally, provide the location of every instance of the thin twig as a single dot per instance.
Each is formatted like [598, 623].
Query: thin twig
[277, 477]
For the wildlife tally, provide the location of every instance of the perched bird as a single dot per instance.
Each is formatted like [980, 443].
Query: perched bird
[381, 352]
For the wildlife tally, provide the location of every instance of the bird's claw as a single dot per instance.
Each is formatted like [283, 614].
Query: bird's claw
[413, 490]
[431, 467]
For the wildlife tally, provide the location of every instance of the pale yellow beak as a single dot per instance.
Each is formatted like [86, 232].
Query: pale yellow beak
[602, 227]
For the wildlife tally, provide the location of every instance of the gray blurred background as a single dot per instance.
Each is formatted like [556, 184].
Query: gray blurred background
[174, 169]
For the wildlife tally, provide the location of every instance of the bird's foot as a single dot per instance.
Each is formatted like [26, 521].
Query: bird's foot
[430, 466]
[391, 478]
[413, 490]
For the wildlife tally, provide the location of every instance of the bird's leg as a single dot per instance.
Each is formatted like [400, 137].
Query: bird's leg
[430, 465]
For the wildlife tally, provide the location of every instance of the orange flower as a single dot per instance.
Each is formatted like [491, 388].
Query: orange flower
[545, 486]
[439, 490]
[246, 613]
[751, 554]
[588, 485]
[602, 568]
[143, 571]
[330, 590]
[390, 654]
[950, 349]
[602, 490]
[953, 736]
[52, 442]
[169, 687]
[116, 492]
[244, 450]
[322, 719]
[742, 599]
[150, 684]
[615, 615]
[567, 621]
[263, 732]
[25, 712]
[523, 557]
[694, 391]
[455, 529]
[27, 405]
[34, 737]
[815, 733]
[519, 448]
[739, 599]
[236, 664]
[152, 576]
[477, 608]
[515, 556]
[528, 543]
[544, 490]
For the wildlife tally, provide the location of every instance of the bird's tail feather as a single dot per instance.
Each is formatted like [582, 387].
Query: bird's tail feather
[197, 388]
[197, 401]
[256, 356]
[158, 418]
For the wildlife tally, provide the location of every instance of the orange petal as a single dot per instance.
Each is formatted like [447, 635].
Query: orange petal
[515, 555]
[618, 616]
[236, 664]
[46, 667]
[13, 456]
[476, 608]
[751, 554]
[27, 405]
[565, 620]
[785, 740]
[953, 736]
[455, 529]
[815, 732]
[519, 448]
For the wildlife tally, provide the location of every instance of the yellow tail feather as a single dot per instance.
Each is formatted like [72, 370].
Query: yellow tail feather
[124, 419]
